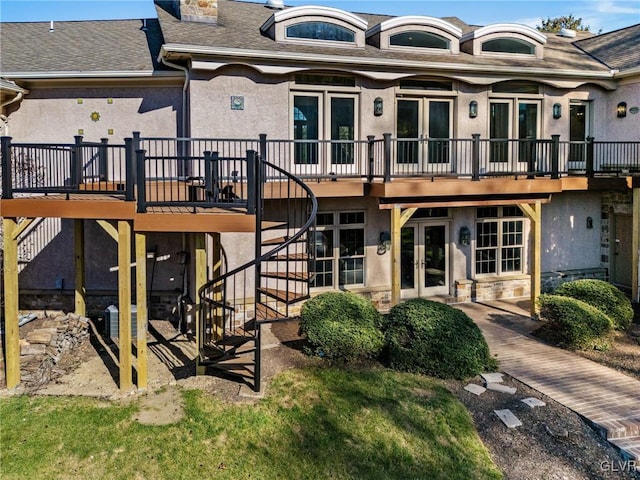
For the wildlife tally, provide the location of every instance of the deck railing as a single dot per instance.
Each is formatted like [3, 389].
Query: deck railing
[80, 168]
[173, 171]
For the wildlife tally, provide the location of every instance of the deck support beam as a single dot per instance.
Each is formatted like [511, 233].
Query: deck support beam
[635, 246]
[141, 310]
[216, 271]
[11, 329]
[80, 286]
[124, 305]
[398, 219]
[200, 256]
[534, 212]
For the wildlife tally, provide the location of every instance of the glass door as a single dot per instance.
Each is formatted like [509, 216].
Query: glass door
[306, 133]
[499, 129]
[424, 259]
[527, 133]
[578, 133]
[423, 132]
[342, 125]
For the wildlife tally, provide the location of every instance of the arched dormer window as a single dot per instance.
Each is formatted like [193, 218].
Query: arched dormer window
[416, 33]
[418, 39]
[504, 39]
[509, 45]
[316, 25]
[320, 31]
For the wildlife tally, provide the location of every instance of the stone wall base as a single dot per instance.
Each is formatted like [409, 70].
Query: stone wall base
[162, 305]
[552, 280]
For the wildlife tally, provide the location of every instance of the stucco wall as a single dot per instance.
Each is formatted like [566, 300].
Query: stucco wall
[567, 243]
[607, 125]
[55, 114]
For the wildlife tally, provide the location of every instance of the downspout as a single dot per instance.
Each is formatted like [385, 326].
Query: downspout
[3, 117]
[185, 130]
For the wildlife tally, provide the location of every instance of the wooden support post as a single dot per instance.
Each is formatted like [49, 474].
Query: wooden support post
[216, 271]
[635, 246]
[200, 248]
[534, 212]
[80, 290]
[395, 255]
[398, 219]
[12, 340]
[141, 309]
[124, 304]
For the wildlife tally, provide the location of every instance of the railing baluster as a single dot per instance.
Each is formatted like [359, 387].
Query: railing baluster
[589, 162]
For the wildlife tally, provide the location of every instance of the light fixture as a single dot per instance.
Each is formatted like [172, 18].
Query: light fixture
[473, 109]
[385, 243]
[377, 106]
[465, 236]
[622, 110]
[589, 222]
[557, 110]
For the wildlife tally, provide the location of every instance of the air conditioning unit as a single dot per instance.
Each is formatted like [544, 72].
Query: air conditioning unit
[112, 321]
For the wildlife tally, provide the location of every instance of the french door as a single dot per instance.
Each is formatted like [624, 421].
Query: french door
[512, 120]
[423, 132]
[578, 133]
[324, 130]
[424, 259]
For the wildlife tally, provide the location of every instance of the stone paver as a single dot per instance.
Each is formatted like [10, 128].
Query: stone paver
[607, 398]
[508, 418]
[475, 389]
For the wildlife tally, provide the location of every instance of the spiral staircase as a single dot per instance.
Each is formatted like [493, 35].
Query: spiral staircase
[234, 304]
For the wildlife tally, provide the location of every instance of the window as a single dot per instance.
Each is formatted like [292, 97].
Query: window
[499, 240]
[324, 80]
[515, 86]
[438, 85]
[339, 249]
[416, 38]
[321, 31]
[509, 45]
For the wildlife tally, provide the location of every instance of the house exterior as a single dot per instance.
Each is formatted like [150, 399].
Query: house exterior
[447, 159]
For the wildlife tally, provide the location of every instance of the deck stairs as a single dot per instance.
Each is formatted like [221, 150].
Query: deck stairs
[267, 288]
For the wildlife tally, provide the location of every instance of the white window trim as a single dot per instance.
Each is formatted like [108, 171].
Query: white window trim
[523, 257]
[336, 228]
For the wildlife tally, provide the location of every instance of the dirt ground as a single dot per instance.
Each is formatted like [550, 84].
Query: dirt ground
[552, 443]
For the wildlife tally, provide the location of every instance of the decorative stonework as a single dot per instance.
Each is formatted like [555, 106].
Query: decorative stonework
[203, 11]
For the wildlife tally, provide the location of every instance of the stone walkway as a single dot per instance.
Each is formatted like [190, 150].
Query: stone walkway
[608, 399]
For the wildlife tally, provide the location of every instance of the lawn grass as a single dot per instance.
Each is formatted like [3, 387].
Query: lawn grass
[314, 423]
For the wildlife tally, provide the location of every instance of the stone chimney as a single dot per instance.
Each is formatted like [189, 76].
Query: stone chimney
[203, 11]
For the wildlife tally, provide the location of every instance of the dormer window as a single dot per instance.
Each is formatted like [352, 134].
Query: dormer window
[504, 39]
[509, 45]
[321, 31]
[417, 34]
[316, 25]
[418, 39]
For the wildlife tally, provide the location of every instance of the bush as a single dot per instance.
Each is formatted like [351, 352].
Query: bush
[572, 323]
[602, 295]
[435, 339]
[342, 326]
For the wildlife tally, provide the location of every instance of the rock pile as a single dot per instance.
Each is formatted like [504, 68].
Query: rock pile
[43, 347]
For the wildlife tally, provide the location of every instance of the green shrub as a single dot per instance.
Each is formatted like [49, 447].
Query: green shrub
[342, 326]
[602, 295]
[572, 323]
[435, 339]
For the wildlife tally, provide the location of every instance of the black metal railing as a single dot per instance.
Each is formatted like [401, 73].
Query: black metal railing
[177, 172]
[81, 167]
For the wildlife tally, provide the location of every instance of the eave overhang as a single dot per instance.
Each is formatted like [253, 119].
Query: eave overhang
[213, 58]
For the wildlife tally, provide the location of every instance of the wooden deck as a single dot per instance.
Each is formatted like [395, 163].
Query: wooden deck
[114, 207]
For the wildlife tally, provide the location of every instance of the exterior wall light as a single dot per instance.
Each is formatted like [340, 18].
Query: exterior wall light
[622, 110]
[557, 110]
[473, 109]
[385, 243]
[465, 236]
[589, 222]
[377, 106]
